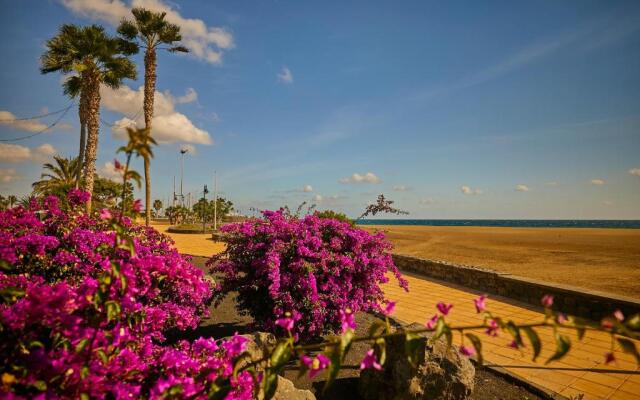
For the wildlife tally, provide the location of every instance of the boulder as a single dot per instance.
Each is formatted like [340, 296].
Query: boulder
[258, 345]
[441, 373]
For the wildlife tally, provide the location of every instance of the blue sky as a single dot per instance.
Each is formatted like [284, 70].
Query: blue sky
[453, 109]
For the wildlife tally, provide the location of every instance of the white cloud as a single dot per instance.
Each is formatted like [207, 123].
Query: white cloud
[552, 183]
[191, 149]
[401, 188]
[307, 188]
[522, 188]
[426, 202]
[317, 198]
[607, 203]
[469, 191]
[598, 182]
[369, 177]
[109, 171]
[188, 97]
[635, 171]
[204, 42]
[31, 125]
[169, 126]
[15, 153]
[326, 199]
[8, 175]
[285, 76]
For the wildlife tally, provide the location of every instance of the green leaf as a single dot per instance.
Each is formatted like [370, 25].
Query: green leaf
[375, 327]
[11, 293]
[629, 347]
[5, 266]
[440, 328]
[633, 322]
[40, 385]
[281, 355]
[535, 341]
[563, 344]
[84, 396]
[337, 356]
[513, 329]
[381, 350]
[270, 383]
[113, 310]
[81, 345]
[477, 344]
[84, 372]
[412, 344]
[103, 356]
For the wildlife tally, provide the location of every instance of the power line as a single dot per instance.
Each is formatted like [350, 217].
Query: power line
[64, 112]
[36, 116]
[134, 118]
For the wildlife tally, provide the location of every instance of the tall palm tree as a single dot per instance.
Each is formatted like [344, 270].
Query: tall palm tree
[57, 177]
[96, 58]
[150, 31]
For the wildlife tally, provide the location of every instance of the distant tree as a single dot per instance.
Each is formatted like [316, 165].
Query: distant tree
[150, 30]
[330, 214]
[157, 205]
[96, 58]
[225, 207]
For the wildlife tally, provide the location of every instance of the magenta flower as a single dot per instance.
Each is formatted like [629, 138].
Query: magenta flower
[547, 300]
[347, 319]
[137, 205]
[370, 361]
[480, 303]
[105, 214]
[430, 324]
[514, 344]
[619, 315]
[117, 165]
[287, 323]
[390, 308]
[492, 329]
[316, 364]
[562, 318]
[467, 351]
[78, 197]
[609, 358]
[444, 308]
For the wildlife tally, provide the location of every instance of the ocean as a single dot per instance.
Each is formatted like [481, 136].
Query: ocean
[514, 223]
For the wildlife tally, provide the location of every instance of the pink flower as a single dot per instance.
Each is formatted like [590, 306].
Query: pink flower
[347, 320]
[117, 165]
[514, 344]
[609, 358]
[370, 361]
[137, 205]
[619, 315]
[480, 303]
[467, 351]
[444, 308]
[492, 329]
[547, 300]
[105, 214]
[390, 308]
[316, 364]
[288, 321]
[432, 322]
[606, 323]
[562, 318]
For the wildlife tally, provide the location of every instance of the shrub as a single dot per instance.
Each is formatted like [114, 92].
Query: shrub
[84, 306]
[312, 268]
[335, 215]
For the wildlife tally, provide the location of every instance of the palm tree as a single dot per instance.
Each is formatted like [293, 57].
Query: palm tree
[96, 58]
[12, 199]
[58, 177]
[157, 205]
[150, 31]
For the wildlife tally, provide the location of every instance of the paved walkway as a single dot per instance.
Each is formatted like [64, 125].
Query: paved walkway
[560, 377]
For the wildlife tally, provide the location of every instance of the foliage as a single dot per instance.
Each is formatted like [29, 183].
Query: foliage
[58, 178]
[157, 205]
[382, 205]
[8, 202]
[224, 208]
[311, 267]
[149, 29]
[330, 214]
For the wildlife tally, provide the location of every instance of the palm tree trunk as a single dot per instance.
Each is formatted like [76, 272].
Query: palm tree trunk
[93, 129]
[82, 113]
[149, 92]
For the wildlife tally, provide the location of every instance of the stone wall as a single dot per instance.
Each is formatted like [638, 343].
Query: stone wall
[576, 301]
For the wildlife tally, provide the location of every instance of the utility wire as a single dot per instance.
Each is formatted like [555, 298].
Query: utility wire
[35, 117]
[134, 118]
[64, 112]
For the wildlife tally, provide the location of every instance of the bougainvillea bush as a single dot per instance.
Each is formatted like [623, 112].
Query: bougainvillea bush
[309, 268]
[84, 305]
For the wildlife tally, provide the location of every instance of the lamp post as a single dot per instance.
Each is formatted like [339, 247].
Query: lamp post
[215, 201]
[183, 151]
[204, 209]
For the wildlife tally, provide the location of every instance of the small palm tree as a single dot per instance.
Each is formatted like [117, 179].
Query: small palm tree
[157, 205]
[58, 177]
[139, 143]
[150, 31]
[96, 58]
[12, 199]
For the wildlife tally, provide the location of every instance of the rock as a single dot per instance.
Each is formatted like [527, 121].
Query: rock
[258, 345]
[441, 374]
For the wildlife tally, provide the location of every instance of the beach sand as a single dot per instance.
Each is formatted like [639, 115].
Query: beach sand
[600, 259]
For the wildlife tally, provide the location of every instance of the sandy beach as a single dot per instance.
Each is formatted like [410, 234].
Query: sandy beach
[601, 259]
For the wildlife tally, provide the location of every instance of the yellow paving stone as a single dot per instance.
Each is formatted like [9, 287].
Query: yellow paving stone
[572, 393]
[592, 388]
[630, 387]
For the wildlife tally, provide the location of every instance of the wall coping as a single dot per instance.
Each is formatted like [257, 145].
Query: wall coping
[577, 301]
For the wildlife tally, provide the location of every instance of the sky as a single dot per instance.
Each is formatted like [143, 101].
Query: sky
[451, 109]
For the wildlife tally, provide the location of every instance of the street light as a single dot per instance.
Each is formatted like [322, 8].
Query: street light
[183, 151]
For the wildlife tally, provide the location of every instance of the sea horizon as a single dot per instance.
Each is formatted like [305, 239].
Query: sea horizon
[510, 223]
